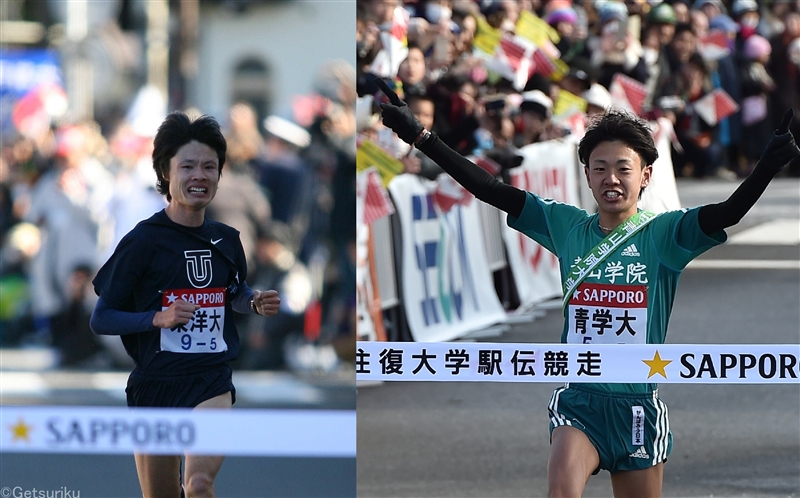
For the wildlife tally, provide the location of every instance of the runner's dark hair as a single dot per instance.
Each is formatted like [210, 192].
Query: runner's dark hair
[619, 126]
[178, 130]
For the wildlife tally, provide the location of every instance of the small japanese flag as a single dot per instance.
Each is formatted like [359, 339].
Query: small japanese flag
[488, 165]
[448, 193]
[714, 46]
[376, 200]
[627, 93]
[542, 63]
[513, 60]
[715, 106]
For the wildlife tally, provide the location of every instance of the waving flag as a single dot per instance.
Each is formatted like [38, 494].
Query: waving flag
[627, 93]
[715, 106]
[375, 198]
[714, 46]
[513, 60]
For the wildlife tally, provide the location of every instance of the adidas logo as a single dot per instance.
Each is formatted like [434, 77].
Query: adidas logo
[640, 453]
[631, 251]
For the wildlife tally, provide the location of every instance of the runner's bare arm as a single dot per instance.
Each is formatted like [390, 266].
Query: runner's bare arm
[397, 116]
[781, 150]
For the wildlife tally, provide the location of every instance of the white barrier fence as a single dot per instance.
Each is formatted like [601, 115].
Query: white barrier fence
[598, 363]
[119, 430]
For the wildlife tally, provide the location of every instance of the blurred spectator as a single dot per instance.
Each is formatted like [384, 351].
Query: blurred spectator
[662, 17]
[72, 337]
[614, 50]
[419, 164]
[711, 8]
[579, 77]
[412, 72]
[285, 176]
[682, 9]
[784, 67]
[278, 267]
[240, 202]
[597, 98]
[747, 16]
[702, 152]
[134, 195]
[535, 113]
[757, 85]
[564, 20]
[68, 204]
[455, 97]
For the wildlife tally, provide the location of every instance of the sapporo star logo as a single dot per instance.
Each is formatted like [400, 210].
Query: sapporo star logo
[21, 430]
[657, 365]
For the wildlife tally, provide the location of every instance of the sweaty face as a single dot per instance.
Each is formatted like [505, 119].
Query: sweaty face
[193, 176]
[616, 177]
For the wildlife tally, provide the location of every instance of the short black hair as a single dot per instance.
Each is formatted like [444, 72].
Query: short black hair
[619, 126]
[682, 26]
[178, 130]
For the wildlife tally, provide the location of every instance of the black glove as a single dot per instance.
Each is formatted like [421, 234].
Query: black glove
[782, 148]
[397, 116]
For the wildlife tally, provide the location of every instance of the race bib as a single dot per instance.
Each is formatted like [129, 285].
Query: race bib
[204, 332]
[608, 314]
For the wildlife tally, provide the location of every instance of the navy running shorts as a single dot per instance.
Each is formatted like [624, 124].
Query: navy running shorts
[167, 390]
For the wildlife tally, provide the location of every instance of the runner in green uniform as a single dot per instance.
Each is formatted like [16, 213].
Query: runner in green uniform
[620, 269]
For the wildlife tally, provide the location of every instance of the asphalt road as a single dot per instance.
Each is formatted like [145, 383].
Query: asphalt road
[485, 440]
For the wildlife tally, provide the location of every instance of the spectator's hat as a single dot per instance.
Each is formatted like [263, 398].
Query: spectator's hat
[581, 69]
[723, 22]
[537, 101]
[756, 47]
[287, 131]
[613, 11]
[740, 7]
[564, 14]
[699, 4]
[489, 7]
[662, 13]
[598, 95]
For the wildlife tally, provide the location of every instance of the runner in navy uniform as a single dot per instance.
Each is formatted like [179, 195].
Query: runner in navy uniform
[169, 291]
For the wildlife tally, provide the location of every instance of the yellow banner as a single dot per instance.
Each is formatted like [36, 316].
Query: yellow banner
[535, 29]
[370, 154]
[486, 37]
[568, 103]
[562, 68]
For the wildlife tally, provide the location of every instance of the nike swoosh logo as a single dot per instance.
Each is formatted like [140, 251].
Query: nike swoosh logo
[215, 241]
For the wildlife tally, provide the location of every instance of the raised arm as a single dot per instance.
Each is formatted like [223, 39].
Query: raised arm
[781, 150]
[397, 116]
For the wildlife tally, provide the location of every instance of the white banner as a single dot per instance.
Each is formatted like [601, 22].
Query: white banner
[547, 170]
[447, 287]
[593, 363]
[116, 430]
[662, 193]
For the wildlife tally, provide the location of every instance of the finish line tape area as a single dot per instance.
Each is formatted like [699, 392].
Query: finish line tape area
[598, 363]
[121, 430]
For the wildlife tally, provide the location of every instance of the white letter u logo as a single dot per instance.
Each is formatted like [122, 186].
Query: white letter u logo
[198, 267]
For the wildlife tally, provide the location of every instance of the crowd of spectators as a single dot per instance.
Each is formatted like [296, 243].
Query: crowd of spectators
[678, 51]
[71, 191]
